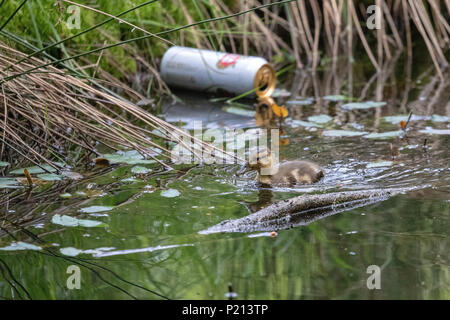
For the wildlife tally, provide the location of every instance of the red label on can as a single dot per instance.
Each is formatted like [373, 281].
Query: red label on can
[227, 60]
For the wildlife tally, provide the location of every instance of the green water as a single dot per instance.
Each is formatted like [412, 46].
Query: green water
[149, 246]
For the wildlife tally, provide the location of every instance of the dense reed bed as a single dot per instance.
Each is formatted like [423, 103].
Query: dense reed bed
[52, 115]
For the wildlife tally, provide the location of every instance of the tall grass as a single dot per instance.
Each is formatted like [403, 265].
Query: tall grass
[306, 31]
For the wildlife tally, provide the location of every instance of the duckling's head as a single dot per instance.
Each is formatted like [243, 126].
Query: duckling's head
[260, 159]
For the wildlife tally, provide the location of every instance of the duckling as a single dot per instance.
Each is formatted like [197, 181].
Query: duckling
[288, 174]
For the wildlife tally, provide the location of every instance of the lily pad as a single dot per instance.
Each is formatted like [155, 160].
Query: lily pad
[49, 177]
[170, 193]
[429, 130]
[70, 251]
[323, 118]
[94, 209]
[130, 179]
[4, 164]
[379, 164]
[240, 111]
[8, 183]
[37, 169]
[74, 222]
[343, 133]
[280, 93]
[65, 195]
[301, 123]
[72, 175]
[400, 118]
[21, 246]
[385, 135]
[336, 98]
[128, 157]
[140, 170]
[301, 102]
[363, 105]
[73, 252]
[434, 118]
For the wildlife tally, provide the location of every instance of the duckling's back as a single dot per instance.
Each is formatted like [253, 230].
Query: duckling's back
[294, 172]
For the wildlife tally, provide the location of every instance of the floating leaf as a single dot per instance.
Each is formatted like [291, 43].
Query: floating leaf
[70, 251]
[145, 102]
[363, 105]
[301, 102]
[170, 193]
[73, 252]
[4, 164]
[280, 93]
[240, 111]
[131, 179]
[301, 123]
[37, 170]
[140, 170]
[72, 175]
[385, 135]
[379, 164]
[131, 154]
[8, 183]
[355, 125]
[323, 118]
[65, 195]
[429, 130]
[49, 177]
[74, 222]
[21, 246]
[343, 133]
[434, 118]
[398, 119]
[94, 209]
[129, 157]
[336, 98]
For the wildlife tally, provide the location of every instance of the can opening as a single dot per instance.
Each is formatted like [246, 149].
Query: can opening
[265, 81]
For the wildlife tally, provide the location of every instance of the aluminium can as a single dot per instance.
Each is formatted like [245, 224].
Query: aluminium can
[212, 71]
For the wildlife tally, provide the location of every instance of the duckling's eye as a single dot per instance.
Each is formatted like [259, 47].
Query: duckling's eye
[257, 158]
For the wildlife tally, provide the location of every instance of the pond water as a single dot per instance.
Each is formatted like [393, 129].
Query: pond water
[149, 243]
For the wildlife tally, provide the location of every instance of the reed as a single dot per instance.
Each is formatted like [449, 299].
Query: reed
[307, 31]
[48, 112]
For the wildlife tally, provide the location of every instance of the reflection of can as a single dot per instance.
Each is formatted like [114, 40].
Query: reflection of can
[207, 70]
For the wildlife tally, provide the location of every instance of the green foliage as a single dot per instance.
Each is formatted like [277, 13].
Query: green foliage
[43, 22]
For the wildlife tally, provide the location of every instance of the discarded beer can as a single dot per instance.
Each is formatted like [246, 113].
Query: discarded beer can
[212, 71]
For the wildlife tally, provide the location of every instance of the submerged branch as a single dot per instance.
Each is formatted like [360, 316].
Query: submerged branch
[303, 210]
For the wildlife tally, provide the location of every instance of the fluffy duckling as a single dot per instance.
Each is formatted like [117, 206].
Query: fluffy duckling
[288, 174]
